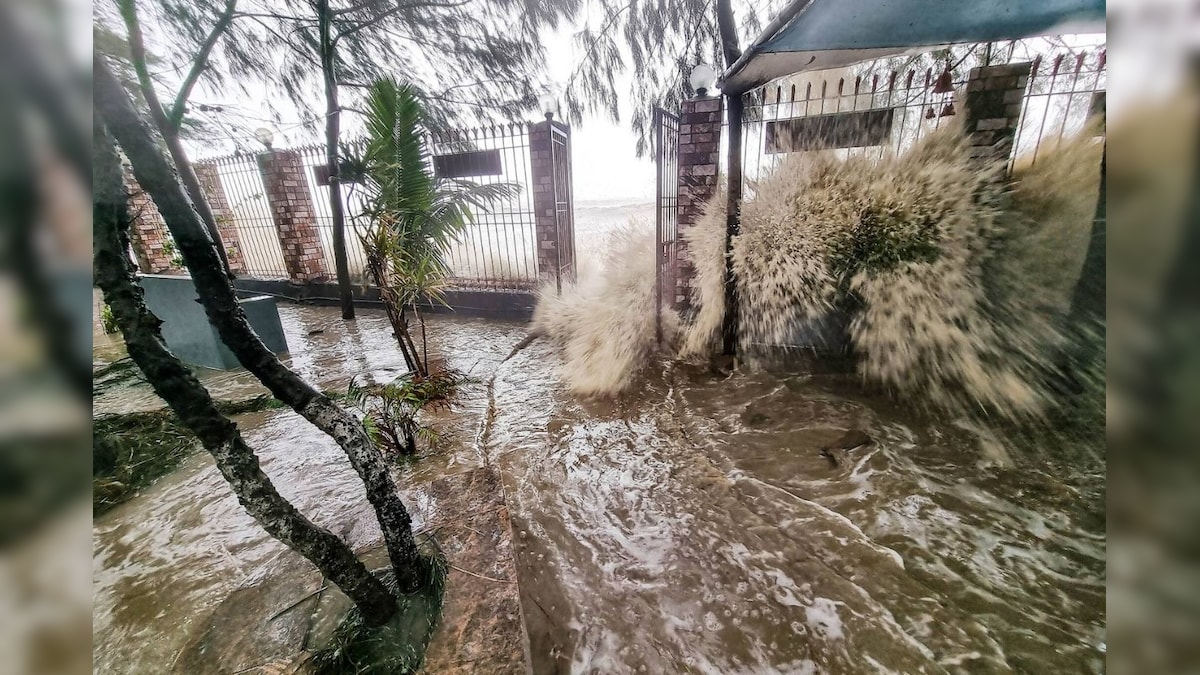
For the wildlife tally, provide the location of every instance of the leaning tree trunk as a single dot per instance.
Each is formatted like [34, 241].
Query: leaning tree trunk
[154, 174]
[333, 121]
[178, 386]
[733, 195]
[168, 129]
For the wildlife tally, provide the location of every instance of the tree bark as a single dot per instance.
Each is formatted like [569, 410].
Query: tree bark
[727, 28]
[192, 403]
[153, 173]
[169, 130]
[1091, 290]
[333, 122]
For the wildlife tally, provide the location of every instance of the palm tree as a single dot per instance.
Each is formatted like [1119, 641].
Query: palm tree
[412, 217]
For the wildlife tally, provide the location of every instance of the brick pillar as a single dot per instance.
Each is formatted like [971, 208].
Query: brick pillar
[551, 253]
[214, 192]
[993, 108]
[294, 215]
[699, 159]
[148, 234]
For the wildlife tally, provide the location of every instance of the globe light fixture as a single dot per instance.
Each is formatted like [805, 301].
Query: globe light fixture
[702, 78]
[264, 136]
[548, 104]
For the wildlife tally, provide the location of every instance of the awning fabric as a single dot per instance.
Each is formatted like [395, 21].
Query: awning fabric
[819, 34]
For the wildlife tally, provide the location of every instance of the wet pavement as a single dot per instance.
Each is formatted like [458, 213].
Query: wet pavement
[692, 526]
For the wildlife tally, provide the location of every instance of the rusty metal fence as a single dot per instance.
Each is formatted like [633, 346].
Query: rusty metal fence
[498, 251]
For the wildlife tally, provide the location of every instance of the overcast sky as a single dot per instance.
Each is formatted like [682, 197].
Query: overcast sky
[604, 163]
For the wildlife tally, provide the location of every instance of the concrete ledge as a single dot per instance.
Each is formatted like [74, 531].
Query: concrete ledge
[499, 304]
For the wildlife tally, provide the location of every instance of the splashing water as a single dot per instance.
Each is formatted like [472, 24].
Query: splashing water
[604, 322]
[957, 280]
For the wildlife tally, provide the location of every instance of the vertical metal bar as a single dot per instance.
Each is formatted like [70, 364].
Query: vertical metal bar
[658, 225]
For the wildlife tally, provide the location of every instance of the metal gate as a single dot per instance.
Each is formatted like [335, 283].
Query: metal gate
[564, 212]
[666, 213]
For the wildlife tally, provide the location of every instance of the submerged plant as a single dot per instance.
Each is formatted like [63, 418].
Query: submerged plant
[390, 411]
[107, 321]
[398, 646]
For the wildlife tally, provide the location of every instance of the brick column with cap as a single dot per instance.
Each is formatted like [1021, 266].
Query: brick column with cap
[699, 162]
[148, 234]
[994, 100]
[552, 192]
[295, 218]
[214, 192]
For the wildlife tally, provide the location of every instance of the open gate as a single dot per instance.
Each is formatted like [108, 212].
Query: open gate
[564, 206]
[666, 213]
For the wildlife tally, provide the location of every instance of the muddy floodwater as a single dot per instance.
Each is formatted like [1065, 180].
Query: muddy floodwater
[691, 527]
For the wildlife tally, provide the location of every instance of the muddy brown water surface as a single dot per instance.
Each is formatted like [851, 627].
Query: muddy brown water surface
[691, 527]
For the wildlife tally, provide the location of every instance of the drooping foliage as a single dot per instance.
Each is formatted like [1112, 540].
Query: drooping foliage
[471, 61]
[649, 46]
[391, 411]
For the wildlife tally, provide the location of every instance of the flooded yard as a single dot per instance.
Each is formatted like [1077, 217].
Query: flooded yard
[692, 526]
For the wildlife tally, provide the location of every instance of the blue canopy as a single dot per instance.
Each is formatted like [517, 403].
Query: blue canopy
[819, 34]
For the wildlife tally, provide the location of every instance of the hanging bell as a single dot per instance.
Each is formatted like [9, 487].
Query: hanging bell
[930, 114]
[945, 82]
[948, 111]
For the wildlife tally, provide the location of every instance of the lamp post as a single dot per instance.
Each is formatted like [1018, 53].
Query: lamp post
[548, 104]
[263, 135]
[702, 78]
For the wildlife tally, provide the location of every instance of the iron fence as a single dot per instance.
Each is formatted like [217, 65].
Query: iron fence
[1067, 91]
[883, 107]
[354, 204]
[666, 212]
[258, 239]
[497, 251]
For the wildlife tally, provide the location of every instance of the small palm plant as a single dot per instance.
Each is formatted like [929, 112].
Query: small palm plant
[412, 217]
[390, 411]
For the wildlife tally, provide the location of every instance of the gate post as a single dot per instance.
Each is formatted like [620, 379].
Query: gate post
[210, 183]
[293, 213]
[149, 236]
[993, 108]
[699, 159]
[553, 202]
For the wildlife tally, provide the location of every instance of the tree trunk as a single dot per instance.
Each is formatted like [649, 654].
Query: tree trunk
[1088, 301]
[727, 28]
[169, 129]
[333, 121]
[153, 173]
[176, 384]
[391, 305]
[424, 340]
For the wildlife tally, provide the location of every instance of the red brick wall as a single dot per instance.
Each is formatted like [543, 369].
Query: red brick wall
[214, 192]
[148, 235]
[294, 215]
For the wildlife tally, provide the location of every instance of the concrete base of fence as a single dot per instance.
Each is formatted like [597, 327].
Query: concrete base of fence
[516, 305]
[186, 328]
